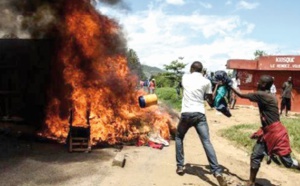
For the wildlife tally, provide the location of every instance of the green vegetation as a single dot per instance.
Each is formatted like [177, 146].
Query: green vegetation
[239, 134]
[174, 72]
[293, 127]
[134, 64]
[259, 53]
[169, 96]
[162, 81]
[170, 76]
[151, 71]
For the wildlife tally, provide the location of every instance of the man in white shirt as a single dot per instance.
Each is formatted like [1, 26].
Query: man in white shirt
[195, 86]
[273, 88]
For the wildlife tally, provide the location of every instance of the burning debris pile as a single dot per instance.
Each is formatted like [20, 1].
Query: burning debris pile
[90, 72]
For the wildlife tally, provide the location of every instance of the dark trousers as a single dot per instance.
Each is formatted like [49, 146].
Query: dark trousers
[286, 103]
[259, 151]
[198, 121]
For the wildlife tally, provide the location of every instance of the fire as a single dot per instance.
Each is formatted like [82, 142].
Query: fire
[96, 78]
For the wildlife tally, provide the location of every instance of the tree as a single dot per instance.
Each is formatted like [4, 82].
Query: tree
[174, 71]
[134, 64]
[259, 53]
[162, 81]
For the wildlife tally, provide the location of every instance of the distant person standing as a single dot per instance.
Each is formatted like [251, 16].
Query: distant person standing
[286, 96]
[205, 73]
[178, 87]
[211, 78]
[235, 84]
[152, 86]
[146, 85]
[273, 88]
[141, 84]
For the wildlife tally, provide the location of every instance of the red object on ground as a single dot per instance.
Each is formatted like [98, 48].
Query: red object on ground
[155, 145]
[139, 143]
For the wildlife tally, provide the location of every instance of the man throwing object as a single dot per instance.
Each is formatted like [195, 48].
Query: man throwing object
[195, 86]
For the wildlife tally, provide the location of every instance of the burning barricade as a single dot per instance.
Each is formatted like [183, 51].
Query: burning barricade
[95, 77]
[88, 73]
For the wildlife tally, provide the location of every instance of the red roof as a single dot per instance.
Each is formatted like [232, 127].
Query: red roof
[242, 64]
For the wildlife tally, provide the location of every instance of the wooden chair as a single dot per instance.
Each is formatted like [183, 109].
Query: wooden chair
[79, 137]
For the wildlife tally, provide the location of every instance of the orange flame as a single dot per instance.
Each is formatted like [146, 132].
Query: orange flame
[97, 78]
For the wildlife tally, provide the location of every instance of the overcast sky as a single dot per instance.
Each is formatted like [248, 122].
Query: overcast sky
[210, 31]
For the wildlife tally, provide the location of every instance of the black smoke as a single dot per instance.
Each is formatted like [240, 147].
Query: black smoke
[37, 18]
[28, 18]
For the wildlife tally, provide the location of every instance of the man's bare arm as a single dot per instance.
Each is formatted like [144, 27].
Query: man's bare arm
[215, 91]
[209, 98]
[244, 96]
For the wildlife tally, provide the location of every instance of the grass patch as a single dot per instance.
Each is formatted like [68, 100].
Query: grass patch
[239, 134]
[169, 96]
[293, 127]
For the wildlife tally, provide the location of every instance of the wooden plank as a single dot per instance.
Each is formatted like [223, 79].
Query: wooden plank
[79, 138]
[81, 149]
[79, 143]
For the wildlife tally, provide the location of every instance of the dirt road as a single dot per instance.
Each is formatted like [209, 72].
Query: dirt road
[50, 164]
[146, 166]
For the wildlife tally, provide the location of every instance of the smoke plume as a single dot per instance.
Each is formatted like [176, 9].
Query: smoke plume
[36, 18]
[28, 19]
